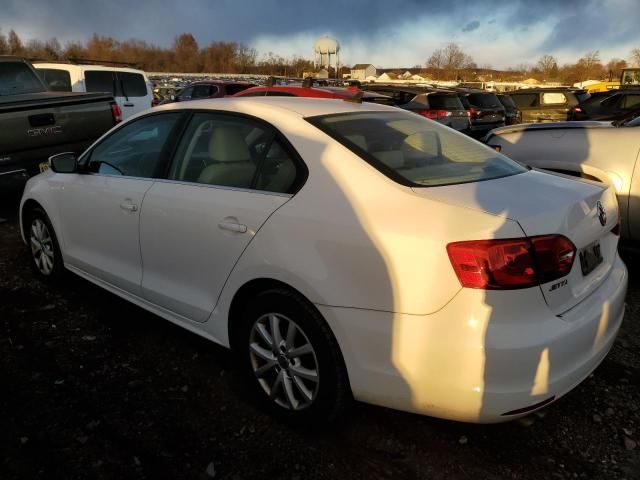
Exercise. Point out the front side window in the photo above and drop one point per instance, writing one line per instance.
(185, 93)
(415, 151)
(232, 151)
(135, 150)
(203, 91)
(631, 101)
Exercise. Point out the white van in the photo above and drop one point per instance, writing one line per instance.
(130, 88)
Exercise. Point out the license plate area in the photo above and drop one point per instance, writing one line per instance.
(590, 257)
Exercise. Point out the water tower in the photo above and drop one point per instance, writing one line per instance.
(324, 48)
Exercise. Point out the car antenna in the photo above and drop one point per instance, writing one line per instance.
(357, 98)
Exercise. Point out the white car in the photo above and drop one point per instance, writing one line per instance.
(606, 152)
(343, 249)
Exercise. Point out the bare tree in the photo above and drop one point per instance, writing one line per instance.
(15, 44)
(4, 47)
(589, 66)
(186, 53)
(548, 66)
(450, 59)
(614, 68)
(635, 57)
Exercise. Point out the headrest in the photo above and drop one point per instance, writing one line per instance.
(392, 159)
(227, 145)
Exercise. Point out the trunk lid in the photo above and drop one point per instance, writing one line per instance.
(583, 211)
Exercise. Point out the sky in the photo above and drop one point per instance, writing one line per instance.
(386, 33)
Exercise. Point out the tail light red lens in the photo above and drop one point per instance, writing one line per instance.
(511, 263)
(473, 113)
(434, 114)
(576, 109)
(116, 112)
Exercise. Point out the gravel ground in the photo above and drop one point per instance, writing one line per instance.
(93, 387)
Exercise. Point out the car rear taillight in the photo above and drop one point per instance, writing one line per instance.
(577, 109)
(473, 113)
(511, 263)
(116, 112)
(434, 114)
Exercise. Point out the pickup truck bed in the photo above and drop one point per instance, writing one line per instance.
(37, 125)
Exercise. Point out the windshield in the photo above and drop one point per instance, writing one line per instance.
(486, 100)
(16, 78)
(415, 151)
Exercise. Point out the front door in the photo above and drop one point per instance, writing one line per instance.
(100, 207)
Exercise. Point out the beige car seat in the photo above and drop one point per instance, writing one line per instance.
(233, 166)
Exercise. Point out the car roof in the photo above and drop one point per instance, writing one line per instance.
(220, 82)
(296, 106)
(409, 88)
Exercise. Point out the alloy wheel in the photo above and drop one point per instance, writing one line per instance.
(284, 361)
(42, 246)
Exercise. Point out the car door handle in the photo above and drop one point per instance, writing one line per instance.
(128, 105)
(233, 227)
(130, 207)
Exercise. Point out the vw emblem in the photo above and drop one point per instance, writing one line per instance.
(602, 215)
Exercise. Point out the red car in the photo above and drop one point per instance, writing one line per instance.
(316, 92)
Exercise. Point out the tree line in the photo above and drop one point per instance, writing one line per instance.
(450, 62)
(184, 55)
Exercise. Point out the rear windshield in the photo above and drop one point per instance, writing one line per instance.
(415, 151)
(16, 78)
(506, 100)
(57, 80)
(484, 100)
(120, 84)
(444, 101)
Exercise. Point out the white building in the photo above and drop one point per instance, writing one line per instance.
(361, 71)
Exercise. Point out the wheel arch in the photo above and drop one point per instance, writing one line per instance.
(28, 206)
(256, 286)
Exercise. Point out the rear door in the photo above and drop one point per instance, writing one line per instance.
(229, 174)
(130, 89)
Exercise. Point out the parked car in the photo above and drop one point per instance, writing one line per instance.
(550, 104)
(485, 110)
(443, 106)
(512, 114)
(603, 151)
(343, 249)
(339, 93)
(208, 89)
(130, 87)
(37, 122)
(615, 106)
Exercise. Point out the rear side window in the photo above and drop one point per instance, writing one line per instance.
(554, 98)
(119, 84)
(415, 151)
(279, 94)
(17, 78)
(524, 100)
(484, 100)
(230, 151)
(99, 81)
(203, 91)
(57, 80)
(131, 84)
(259, 93)
(445, 102)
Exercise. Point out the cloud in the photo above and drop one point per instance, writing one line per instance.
(471, 26)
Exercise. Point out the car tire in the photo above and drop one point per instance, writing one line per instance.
(291, 360)
(46, 258)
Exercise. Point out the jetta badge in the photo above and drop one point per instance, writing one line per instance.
(602, 215)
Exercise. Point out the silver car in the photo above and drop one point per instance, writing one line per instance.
(602, 151)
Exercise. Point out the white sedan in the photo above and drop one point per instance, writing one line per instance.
(343, 250)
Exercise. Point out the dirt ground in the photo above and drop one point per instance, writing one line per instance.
(94, 387)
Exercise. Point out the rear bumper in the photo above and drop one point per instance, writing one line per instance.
(481, 356)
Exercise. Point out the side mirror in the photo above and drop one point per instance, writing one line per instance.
(64, 162)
